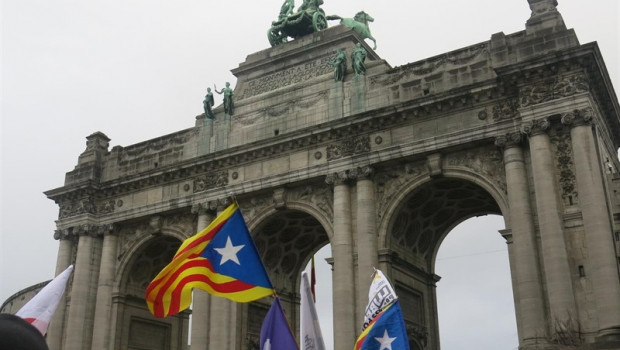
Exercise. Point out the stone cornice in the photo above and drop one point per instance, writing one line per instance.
(331, 134)
(585, 58)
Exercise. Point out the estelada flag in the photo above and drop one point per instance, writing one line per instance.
(40, 309)
(386, 331)
(221, 260)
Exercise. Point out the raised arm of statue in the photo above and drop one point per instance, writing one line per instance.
(228, 98)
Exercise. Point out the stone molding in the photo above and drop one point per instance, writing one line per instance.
(536, 127)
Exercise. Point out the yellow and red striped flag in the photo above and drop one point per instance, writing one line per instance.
(221, 260)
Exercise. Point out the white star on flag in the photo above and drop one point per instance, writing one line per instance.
(386, 341)
(229, 252)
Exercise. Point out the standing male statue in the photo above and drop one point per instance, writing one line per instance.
(340, 65)
(228, 98)
(208, 103)
(358, 57)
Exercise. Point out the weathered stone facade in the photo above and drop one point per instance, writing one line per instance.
(381, 167)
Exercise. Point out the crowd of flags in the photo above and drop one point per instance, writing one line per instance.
(222, 260)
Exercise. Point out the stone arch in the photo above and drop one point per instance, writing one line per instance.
(286, 238)
(417, 220)
(294, 205)
(135, 327)
(497, 193)
(139, 244)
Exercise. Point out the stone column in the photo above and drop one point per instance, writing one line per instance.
(367, 256)
(603, 268)
(107, 274)
(523, 252)
(201, 299)
(65, 250)
(83, 290)
(555, 257)
(222, 328)
(342, 251)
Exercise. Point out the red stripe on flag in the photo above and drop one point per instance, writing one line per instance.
(207, 237)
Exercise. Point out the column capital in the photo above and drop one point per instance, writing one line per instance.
(63, 234)
(578, 117)
(92, 230)
(203, 208)
(338, 178)
(507, 234)
(509, 140)
(536, 127)
(362, 173)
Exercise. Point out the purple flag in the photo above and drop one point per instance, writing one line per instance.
(275, 334)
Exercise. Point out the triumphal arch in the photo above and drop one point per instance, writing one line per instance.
(380, 162)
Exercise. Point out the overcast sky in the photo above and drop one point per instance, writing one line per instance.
(137, 69)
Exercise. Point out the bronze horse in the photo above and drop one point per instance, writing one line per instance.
(359, 24)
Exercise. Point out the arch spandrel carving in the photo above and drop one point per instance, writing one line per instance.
(133, 237)
(390, 182)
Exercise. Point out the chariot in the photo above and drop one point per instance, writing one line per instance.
(304, 22)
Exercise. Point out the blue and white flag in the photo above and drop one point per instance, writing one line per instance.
(275, 333)
(386, 331)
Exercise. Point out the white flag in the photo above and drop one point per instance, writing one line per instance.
(40, 309)
(311, 338)
(380, 295)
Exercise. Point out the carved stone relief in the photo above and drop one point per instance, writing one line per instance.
(132, 233)
(320, 197)
(207, 181)
(483, 161)
(348, 147)
(390, 182)
(553, 89)
(506, 109)
(560, 139)
(456, 58)
(286, 77)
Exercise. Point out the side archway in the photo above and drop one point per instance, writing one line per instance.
(135, 327)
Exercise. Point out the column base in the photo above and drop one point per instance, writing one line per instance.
(608, 339)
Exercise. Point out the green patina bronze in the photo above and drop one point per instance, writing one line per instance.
(308, 18)
(208, 104)
(359, 24)
(228, 98)
(358, 58)
(340, 65)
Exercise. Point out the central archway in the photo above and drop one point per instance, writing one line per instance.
(425, 214)
(286, 240)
